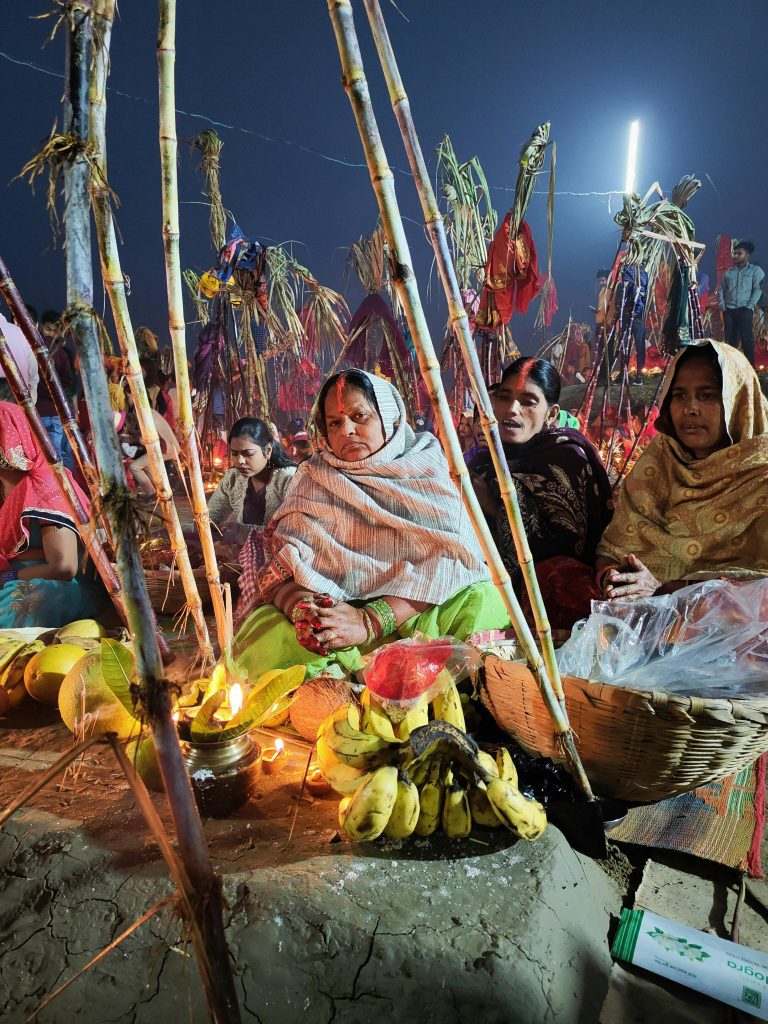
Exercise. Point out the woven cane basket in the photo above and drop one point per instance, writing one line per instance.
(639, 746)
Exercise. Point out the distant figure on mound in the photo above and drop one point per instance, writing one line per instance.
(740, 292)
(42, 580)
(371, 542)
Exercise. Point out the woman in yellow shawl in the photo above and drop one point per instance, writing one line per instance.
(695, 505)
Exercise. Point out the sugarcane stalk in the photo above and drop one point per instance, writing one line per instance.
(205, 894)
(112, 275)
(166, 55)
(47, 369)
(435, 226)
(85, 527)
(356, 87)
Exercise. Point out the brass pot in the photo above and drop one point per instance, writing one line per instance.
(222, 774)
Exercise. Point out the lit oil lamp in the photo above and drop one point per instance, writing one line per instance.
(222, 771)
(274, 758)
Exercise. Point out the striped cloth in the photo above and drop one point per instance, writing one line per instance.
(392, 524)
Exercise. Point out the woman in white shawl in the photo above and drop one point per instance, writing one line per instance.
(371, 542)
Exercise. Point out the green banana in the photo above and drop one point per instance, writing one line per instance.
(456, 818)
(370, 807)
(405, 813)
(341, 730)
(488, 763)
(526, 818)
(482, 812)
(431, 797)
(374, 720)
(506, 766)
(447, 707)
(341, 776)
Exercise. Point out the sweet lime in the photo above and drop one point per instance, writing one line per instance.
(45, 671)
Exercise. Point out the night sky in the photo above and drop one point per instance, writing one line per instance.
(486, 72)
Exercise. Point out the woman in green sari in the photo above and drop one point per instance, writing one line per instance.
(371, 543)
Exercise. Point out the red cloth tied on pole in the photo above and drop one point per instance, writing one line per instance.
(511, 277)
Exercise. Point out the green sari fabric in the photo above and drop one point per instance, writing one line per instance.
(267, 640)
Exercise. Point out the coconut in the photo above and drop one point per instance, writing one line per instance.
(315, 700)
(87, 704)
(45, 671)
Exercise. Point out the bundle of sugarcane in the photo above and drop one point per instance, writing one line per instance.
(114, 283)
(356, 86)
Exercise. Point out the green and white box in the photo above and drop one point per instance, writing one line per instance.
(736, 975)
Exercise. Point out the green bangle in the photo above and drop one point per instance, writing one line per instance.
(384, 614)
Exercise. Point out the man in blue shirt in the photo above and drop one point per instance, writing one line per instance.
(739, 295)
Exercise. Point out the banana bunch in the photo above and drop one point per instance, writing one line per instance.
(404, 775)
(14, 655)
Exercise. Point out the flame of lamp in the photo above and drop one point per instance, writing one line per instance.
(222, 773)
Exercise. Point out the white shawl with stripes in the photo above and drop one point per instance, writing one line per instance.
(392, 524)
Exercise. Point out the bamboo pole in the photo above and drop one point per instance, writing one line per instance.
(356, 87)
(153, 687)
(85, 527)
(166, 56)
(435, 226)
(111, 272)
(48, 372)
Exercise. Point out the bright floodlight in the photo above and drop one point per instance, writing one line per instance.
(634, 132)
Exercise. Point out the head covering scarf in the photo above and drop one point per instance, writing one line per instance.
(684, 516)
(392, 524)
(37, 495)
(564, 495)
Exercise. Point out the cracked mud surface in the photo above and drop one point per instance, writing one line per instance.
(319, 930)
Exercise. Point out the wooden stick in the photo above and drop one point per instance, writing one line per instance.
(85, 526)
(111, 272)
(166, 55)
(356, 87)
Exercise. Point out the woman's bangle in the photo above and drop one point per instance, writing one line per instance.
(384, 615)
(369, 627)
(602, 573)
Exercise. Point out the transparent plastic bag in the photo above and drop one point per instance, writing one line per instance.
(708, 640)
(401, 673)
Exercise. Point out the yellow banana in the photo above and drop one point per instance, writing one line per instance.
(374, 720)
(457, 818)
(482, 812)
(11, 650)
(370, 808)
(526, 818)
(506, 766)
(341, 776)
(447, 707)
(488, 763)
(13, 673)
(343, 810)
(431, 797)
(341, 730)
(417, 716)
(405, 813)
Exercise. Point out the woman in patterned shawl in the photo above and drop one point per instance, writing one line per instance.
(371, 542)
(695, 505)
(563, 489)
(42, 580)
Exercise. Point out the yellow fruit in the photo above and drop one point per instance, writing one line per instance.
(143, 756)
(45, 672)
(84, 693)
(83, 629)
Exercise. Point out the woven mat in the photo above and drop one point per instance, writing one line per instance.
(723, 821)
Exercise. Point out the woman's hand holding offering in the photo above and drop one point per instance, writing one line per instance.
(631, 579)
